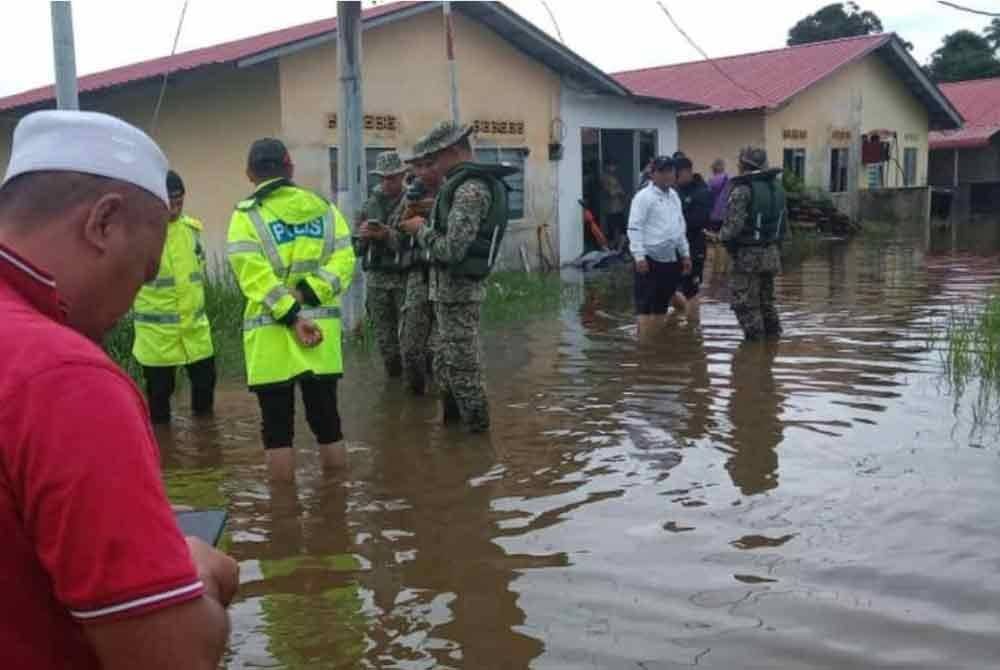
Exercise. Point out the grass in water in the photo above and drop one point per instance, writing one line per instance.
(509, 296)
(973, 344)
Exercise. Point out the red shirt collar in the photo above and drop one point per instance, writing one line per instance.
(33, 284)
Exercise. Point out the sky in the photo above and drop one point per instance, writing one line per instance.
(618, 35)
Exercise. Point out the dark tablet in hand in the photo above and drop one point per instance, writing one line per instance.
(206, 525)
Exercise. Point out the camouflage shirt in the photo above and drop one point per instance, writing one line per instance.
(760, 259)
(379, 207)
(471, 206)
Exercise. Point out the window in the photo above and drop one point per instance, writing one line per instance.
(515, 182)
(876, 175)
(838, 169)
(795, 162)
(910, 166)
(371, 154)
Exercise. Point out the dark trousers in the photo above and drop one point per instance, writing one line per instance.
(277, 408)
(161, 382)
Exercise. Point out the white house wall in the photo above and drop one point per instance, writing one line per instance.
(582, 110)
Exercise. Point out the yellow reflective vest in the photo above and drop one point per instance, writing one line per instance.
(279, 239)
(171, 327)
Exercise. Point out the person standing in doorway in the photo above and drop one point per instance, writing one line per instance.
(292, 255)
(171, 327)
(384, 273)
(752, 232)
(614, 200)
(696, 201)
(461, 240)
(658, 242)
(718, 185)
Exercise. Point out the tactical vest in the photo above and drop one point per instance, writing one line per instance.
(377, 255)
(766, 224)
(482, 253)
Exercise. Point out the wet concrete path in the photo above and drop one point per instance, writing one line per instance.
(827, 502)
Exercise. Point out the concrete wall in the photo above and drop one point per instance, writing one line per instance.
(581, 110)
(406, 75)
(704, 139)
(207, 123)
(895, 205)
(861, 97)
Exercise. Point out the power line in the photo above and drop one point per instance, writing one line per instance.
(707, 57)
(967, 9)
(554, 22)
(166, 72)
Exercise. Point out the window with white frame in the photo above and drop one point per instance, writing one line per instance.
(515, 182)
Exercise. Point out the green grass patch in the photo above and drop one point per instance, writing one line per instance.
(972, 339)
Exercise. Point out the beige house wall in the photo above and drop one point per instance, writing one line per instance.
(704, 139)
(406, 76)
(207, 122)
(861, 97)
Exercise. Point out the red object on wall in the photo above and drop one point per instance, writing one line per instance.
(871, 149)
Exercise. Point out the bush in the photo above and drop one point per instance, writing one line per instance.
(792, 183)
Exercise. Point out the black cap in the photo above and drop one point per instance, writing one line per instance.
(268, 154)
(661, 163)
(683, 163)
(175, 185)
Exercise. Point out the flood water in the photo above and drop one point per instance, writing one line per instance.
(826, 502)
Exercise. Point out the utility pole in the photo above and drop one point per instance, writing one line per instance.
(449, 45)
(351, 177)
(65, 56)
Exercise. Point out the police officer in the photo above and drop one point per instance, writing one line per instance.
(752, 232)
(461, 238)
(292, 255)
(171, 327)
(384, 272)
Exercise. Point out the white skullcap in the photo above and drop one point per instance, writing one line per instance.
(91, 143)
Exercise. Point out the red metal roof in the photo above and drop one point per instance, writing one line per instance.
(762, 80)
(979, 103)
(227, 52)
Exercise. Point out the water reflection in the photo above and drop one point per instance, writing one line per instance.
(686, 501)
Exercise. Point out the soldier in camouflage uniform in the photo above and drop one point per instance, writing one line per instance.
(386, 282)
(752, 232)
(415, 333)
(467, 211)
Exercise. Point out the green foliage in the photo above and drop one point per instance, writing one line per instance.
(964, 55)
(973, 344)
(792, 183)
(834, 21)
(517, 295)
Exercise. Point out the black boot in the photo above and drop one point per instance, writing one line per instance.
(451, 411)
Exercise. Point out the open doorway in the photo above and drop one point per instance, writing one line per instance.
(612, 163)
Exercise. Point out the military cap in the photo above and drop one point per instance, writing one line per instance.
(754, 158)
(442, 136)
(388, 164)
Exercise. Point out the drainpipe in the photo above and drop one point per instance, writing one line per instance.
(449, 47)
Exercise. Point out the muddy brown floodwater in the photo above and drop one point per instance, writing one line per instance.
(827, 502)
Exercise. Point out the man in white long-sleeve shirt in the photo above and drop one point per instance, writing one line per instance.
(658, 242)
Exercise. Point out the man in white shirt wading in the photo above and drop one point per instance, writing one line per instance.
(658, 241)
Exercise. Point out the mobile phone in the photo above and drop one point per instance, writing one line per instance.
(206, 525)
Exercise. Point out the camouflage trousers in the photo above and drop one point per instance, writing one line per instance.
(753, 302)
(385, 306)
(458, 363)
(415, 334)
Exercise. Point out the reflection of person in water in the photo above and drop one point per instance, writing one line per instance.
(697, 392)
(755, 413)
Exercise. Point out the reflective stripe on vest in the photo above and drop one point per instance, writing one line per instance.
(330, 278)
(166, 282)
(163, 319)
(267, 242)
(312, 313)
(242, 248)
(274, 295)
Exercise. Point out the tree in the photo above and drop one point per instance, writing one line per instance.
(964, 55)
(834, 21)
(992, 33)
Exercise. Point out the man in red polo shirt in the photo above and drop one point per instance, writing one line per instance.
(94, 572)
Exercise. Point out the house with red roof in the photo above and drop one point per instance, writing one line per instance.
(813, 107)
(533, 101)
(967, 160)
